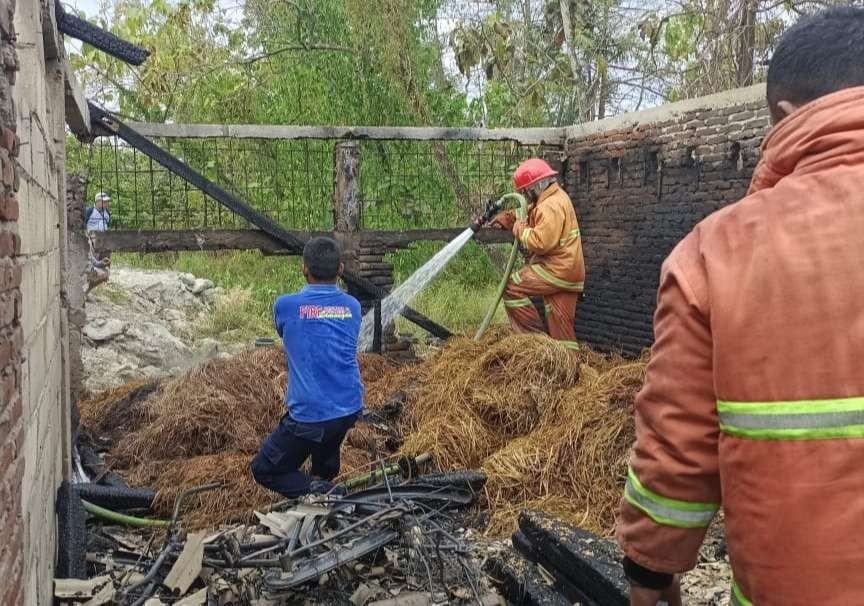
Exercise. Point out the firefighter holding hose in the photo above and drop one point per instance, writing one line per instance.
(556, 269)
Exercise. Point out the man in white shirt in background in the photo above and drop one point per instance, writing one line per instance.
(97, 218)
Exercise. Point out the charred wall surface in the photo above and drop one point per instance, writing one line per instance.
(640, 182)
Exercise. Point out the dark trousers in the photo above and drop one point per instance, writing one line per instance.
(283, 452)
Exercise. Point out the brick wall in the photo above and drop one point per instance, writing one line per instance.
(11, 335)
(39, 439)
(640, 182)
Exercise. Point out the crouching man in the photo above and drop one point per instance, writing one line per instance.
(319, 327)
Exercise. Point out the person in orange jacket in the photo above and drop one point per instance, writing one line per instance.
(754, 396)
(556, 268)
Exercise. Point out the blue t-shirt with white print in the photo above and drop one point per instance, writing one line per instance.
(319, 327)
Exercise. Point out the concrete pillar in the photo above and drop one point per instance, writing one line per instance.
(75, 278)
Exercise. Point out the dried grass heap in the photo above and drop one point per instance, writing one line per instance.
(551, 428)
(204, 425)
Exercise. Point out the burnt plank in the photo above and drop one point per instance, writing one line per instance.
(521, 583)
(583, 559)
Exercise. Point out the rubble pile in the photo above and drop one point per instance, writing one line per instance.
(139, 326)
(549, 429)
(393, 545)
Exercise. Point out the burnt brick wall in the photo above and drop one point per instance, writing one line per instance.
(12, 426)
(640, 182)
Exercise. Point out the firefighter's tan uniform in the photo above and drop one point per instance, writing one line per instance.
(556, 268)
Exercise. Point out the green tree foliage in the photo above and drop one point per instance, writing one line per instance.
(394, 62)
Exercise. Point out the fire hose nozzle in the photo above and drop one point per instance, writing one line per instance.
(493, 207)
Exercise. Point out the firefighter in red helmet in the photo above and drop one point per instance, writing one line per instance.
(555, 270)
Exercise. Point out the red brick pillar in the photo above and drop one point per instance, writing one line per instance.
(11, 336)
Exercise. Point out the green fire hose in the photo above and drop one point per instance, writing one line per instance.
(521, 214)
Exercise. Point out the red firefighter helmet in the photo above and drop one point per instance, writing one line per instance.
(531, 171)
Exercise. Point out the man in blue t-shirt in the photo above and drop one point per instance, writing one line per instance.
(319, 327)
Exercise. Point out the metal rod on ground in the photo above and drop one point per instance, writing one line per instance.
(389, 470)
(151, 574)
(188, 493)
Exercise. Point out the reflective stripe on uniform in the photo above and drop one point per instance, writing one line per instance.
(517, 302)
(570, 344)
(738, 598)
(516, 278)
(793, 420)
(524, 237)
(573, 234)
(546, 276)
(666, 511)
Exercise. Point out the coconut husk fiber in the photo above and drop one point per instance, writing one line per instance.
(206, 425)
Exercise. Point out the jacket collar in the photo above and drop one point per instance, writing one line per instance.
(548, 193)
(824, 133)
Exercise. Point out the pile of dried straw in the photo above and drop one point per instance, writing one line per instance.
(202, 426)
(552, 429)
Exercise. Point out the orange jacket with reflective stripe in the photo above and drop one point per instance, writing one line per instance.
(754, 396)
(551, 235)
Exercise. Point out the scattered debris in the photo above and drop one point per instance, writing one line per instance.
(395, 544)
(547, 434)
(79, 588)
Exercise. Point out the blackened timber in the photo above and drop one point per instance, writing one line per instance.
(100, 117)
(521, 582)
(78, 28)
(151, 241)
(403, 239)
(524, 136)
(379, 329)
(147, 241)
(577, 558)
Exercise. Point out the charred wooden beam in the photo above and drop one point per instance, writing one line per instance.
(75, 26)
(524, 547)
(525, 136)
(151, 241)
(577, 558)
(521, 582)
(103, 119)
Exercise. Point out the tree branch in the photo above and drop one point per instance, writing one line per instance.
(326, 48)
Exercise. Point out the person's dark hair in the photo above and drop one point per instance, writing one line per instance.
(819, 55)
(322, 256)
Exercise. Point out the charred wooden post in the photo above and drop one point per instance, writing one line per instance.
(347, 208)
(379, 329)
(366, 261)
